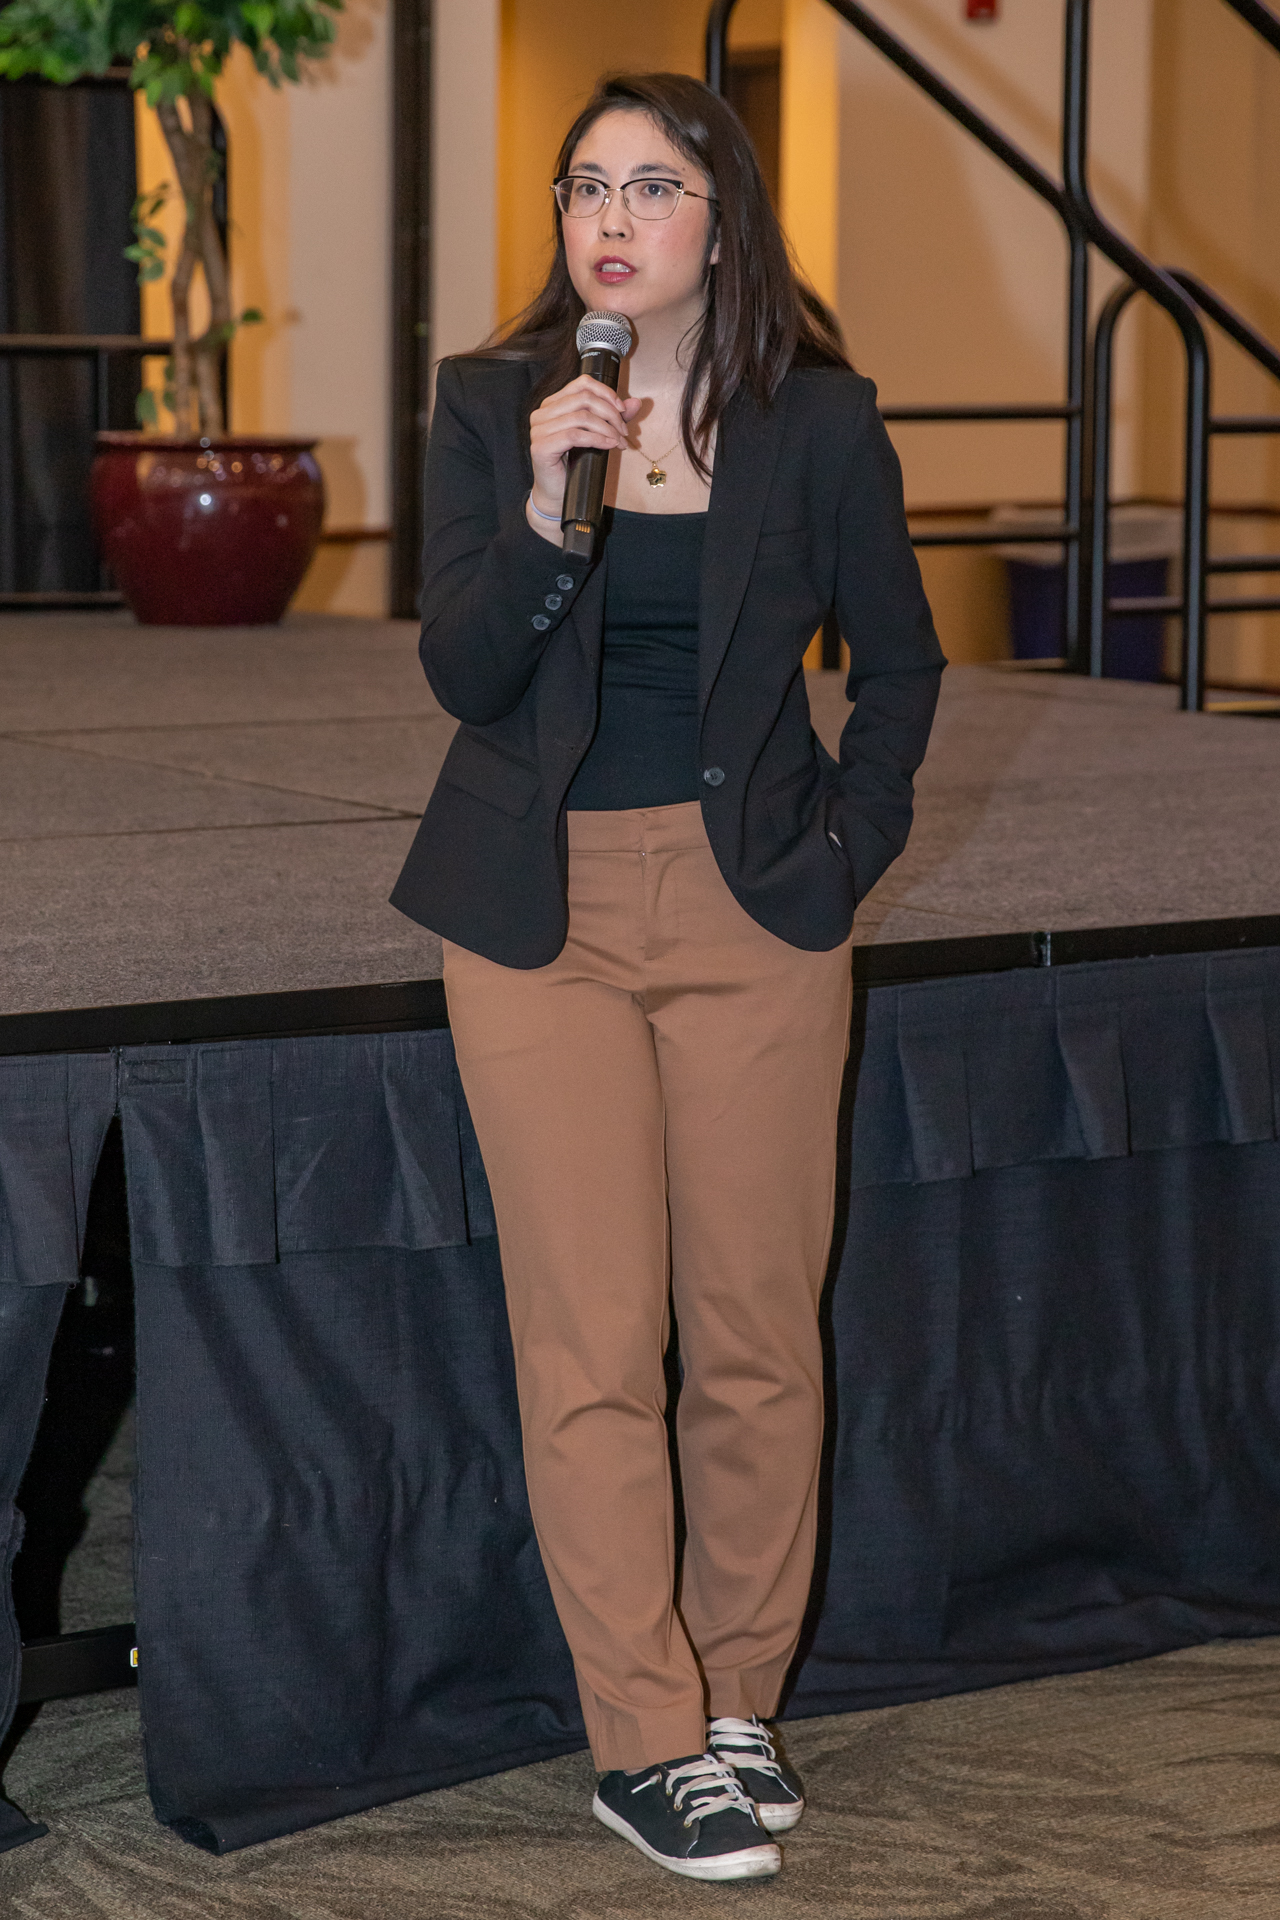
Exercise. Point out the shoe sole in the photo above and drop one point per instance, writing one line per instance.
(752, 1863)
(780, 1819)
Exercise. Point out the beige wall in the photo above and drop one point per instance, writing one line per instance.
(809, 173)
(952, 274)
(310, 200)
(464, 163)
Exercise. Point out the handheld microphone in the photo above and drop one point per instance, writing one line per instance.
(603, 339)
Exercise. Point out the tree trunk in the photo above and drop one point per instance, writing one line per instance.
(212, 344)
(197, 364)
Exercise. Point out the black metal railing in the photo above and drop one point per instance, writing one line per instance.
(1192, 604)
(1084, 529)
(1260, 18)
(99, 349)
(1159, 286)
(1066, 528)
(1176, 604)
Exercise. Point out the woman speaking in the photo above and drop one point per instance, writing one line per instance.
(644, 867)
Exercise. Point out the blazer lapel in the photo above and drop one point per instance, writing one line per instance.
(747, 449)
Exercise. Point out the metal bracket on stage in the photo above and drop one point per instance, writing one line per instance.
(75, 1663)
(398, 1006)
(901, 963)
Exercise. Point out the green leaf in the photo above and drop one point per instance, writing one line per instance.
(251, 317)
(144, 409)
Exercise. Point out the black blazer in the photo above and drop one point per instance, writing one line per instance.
(805, 514)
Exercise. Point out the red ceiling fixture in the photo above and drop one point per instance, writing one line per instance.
(982, 9)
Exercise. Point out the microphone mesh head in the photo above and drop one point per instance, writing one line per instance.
(610, 331)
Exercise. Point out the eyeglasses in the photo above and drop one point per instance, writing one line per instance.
(579, 196)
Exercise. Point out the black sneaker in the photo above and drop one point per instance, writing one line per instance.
(766, 1776)
(691, 1816)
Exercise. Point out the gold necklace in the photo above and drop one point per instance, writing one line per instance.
(656, 475)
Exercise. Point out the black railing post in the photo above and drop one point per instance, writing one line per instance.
(1195, 534)
(1076, 611)
(1233, 324)
(411, 316)
(1100, 515)
(1166, 293)
(717, 47)
(102, 412)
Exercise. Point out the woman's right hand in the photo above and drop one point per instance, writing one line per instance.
(586, 413)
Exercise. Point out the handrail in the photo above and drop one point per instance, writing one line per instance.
(99, 349)
(1168, 294)
(1254, 343)
(900, 54)
(1262, 351)
(1012, 156)
(1180, 295)
(1193, 604)
(1260, 18)
(717, 43)
(41, 345)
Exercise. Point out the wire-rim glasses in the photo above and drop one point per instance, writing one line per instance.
(579, 196)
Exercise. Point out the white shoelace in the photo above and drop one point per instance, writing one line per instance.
(709, 1786)
(745, 1743)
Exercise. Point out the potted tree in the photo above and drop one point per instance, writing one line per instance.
(201, 527)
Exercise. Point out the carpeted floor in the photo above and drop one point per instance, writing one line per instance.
(1148, 1792)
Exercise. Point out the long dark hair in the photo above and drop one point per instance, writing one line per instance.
(760, 318)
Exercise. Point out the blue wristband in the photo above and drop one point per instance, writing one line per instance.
(553, 517)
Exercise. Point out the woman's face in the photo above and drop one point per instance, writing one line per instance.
(635, 266)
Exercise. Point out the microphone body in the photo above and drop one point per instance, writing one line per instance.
(603, 339)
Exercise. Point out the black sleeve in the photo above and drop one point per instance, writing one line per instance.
(895, 660)
(493, 591)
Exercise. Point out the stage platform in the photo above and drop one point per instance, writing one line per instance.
(1052, 1443)
(194, 814)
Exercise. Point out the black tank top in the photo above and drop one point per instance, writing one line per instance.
(645, 749)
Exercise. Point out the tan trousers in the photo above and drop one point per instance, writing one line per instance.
(657, 1114)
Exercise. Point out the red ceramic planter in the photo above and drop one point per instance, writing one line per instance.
(215, 532)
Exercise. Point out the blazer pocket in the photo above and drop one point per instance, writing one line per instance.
(790, 801)
(488, 773)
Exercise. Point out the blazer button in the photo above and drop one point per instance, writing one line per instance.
(540, 621)
(565, 582)
(553, 601)
(714, 776)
